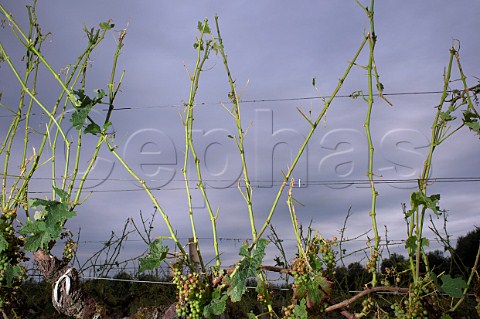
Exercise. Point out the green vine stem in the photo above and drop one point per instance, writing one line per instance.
(29, 43)
(294, 219)
(34, 32)
(374, 254)
(463, 78)
(78, 73)
(239, 139)
(314, 125)
(113, 90)
(154, 200)
(202, 47)
(417, 218)
(28, 91)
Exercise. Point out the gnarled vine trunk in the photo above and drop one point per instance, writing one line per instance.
(67, 295)
(70, 299)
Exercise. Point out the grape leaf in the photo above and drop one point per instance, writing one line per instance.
(446, 116)
(453, 286)
(92, 128)
(418, 198)
(155, 256)
(204, 27)
(412, 243)
(300, 310)
(106, 25)
(39, 233)
(62, 194)
(12, 272)
(472, 121)
(246, 268)
(217, 304)
(315, 290)
(83, 107)
(79, 117)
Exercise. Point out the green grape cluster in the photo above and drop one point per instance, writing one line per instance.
(413, 305)
(391, 276)
(288, 312)
(300, 272)
(368, 305)
(70, 249)
(191, 294)
(372, 261)
(328, 254)
(324, 247)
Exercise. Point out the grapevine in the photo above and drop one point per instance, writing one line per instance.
(11, 257)
(311, 274)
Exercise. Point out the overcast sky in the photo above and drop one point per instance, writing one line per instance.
(274, 49)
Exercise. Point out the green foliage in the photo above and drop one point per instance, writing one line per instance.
(156, 255)
(106, 25)
(11, 273)
(418, 198)
(412, 243)
(300, 311)
(204, 27)
(472, 121)
(83, 106)
(447, 115)
(217, 305)
(453, 286)
(315, 290)
(48, 225)
(3, 243)
(246, 268)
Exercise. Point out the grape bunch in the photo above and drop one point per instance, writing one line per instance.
(191, 294)
(300, 273)
(372, 261)
(70, 249)
(391, 276)
(413, 305)
(368, 305)
(288, 312)
(328, 254)
(324, 247)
